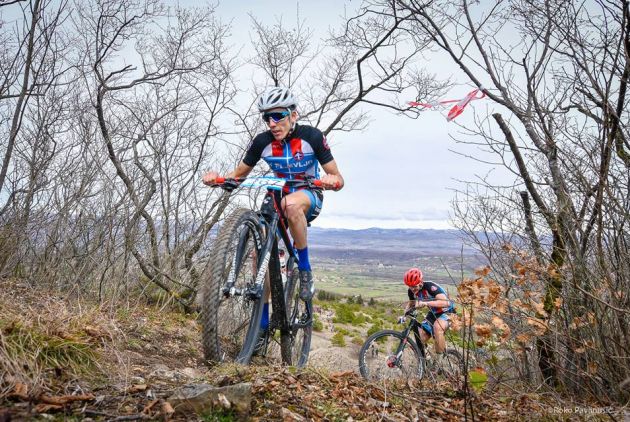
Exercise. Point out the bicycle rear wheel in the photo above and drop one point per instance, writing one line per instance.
(295, 344)
(229, 316)
(378, 358)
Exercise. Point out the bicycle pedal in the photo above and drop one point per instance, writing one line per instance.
(253, 293)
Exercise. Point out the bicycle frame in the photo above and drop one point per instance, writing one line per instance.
(273, 221)
(250, 242)
(270, 213)
(412, 327)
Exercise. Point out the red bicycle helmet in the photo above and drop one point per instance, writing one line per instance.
(413, 277)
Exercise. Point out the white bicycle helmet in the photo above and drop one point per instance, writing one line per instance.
(276, 97)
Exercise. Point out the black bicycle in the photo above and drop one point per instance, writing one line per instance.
(389, 354)
(243, 270)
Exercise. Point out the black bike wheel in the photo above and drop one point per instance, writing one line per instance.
(378, 360)
(295, 344)
(231, 320)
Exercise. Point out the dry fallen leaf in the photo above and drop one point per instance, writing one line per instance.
(148, 407)
(20, 391)
(167, 408)
(44, 408)
(61, 400)
(136, 388)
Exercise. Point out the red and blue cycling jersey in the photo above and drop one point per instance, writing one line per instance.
(429, 291)
(296, 157)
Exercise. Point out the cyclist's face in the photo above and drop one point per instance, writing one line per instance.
(417, 288)
(281, 128)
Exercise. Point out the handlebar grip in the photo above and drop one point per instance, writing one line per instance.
(318, 183)
(219, 180)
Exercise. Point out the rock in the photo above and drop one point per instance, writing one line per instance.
(191, 373)
(200, 398)
(223, 401)
(288, 416)
(161, 371)
(137, 380)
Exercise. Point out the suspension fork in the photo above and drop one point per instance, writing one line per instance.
(269, 250)
(237, 261)
(401, 346)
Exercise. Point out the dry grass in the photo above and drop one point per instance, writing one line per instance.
(47, 340)
(43, 338)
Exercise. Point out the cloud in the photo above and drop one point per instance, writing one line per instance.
(411, 216)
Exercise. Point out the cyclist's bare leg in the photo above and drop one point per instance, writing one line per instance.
(424, 337)
(439, 328)
(295, 206)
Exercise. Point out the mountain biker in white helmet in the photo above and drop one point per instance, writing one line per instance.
(292, 151)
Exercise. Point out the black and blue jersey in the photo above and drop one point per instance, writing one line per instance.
(429, 291)
(293, 158)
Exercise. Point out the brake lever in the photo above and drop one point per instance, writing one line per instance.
(227, 184)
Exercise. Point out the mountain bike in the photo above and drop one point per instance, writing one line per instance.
(243, 271)
(390, 354)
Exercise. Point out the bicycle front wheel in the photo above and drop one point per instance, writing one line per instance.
(230, 314)
(387, 355)
(295, 344)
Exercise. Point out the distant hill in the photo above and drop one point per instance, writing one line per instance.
(371, 262)
(417, 242)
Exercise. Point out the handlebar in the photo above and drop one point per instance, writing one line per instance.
(230, 184)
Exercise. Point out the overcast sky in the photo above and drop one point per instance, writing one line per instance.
(400, 173)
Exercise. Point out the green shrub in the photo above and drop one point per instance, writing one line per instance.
(342, 331)
(377, 326)
(328, 296)
(357, 340)
(343, 315)
(348, 314)
(318, 325)
(338, 340)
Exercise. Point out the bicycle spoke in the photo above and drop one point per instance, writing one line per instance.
(383, 358)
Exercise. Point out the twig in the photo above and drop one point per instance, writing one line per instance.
(114, 417)
(444, 409)
(321, 375)
(433, 393)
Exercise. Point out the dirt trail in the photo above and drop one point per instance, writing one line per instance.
(325, 355)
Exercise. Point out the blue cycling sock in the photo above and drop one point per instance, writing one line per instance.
(303, 263)
(264, 321)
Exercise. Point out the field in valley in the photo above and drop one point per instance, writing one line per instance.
(371, 262)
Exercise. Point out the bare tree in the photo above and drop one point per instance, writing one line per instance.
(157, 114)
(368, 61)
(563, 83)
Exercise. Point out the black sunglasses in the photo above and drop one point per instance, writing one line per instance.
(276, 116)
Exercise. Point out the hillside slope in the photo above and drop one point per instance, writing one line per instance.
(68, 358)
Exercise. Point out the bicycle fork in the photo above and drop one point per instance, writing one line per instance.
(254, 291)
(394, 360)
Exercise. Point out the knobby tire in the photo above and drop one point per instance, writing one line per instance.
(230, 325)
(295, 344)
(380, 346)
